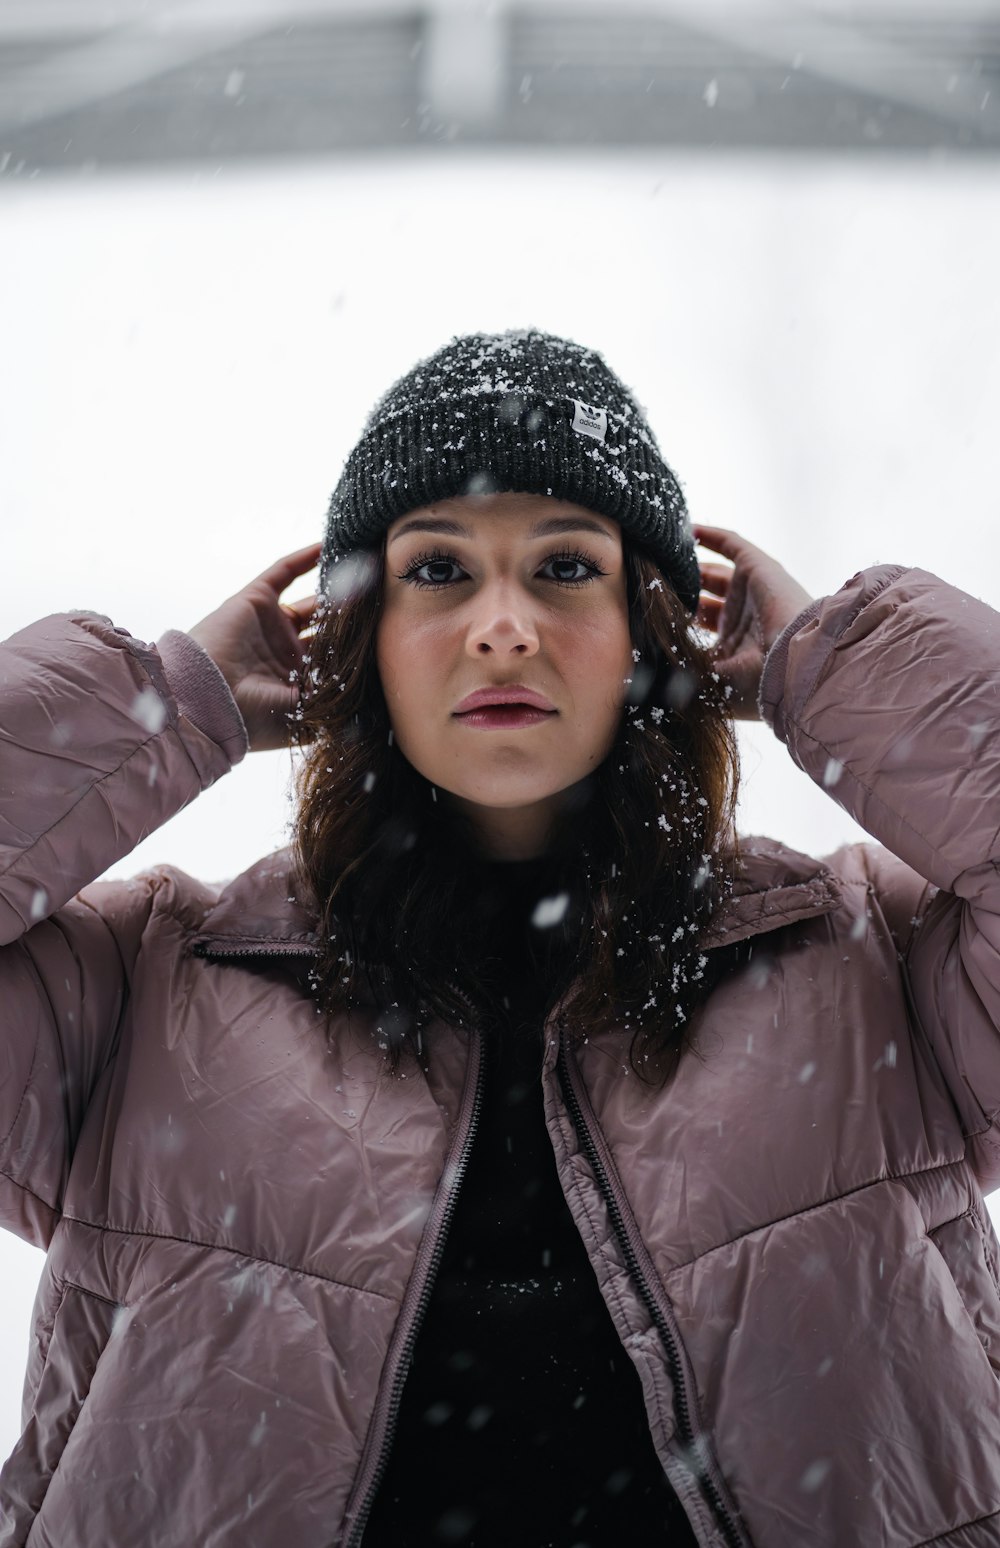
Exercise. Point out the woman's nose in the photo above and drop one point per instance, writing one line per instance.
(502, 626)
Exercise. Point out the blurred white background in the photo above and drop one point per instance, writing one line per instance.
(188, 354)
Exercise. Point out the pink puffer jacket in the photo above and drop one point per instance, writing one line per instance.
(242, 1226)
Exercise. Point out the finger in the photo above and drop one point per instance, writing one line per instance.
(300, 613)
(716, 577)
(709, 613)
(737, 612)
(284, 571)
(723, 540)
(286, 631)
(717, 590)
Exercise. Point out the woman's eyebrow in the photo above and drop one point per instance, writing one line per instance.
(558, 524)
(552, 527)
(446, 528)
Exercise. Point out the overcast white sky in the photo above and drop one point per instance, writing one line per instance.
(188, 358)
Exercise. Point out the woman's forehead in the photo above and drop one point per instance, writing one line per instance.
(524, 516)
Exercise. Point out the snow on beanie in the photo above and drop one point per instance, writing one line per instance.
(520, 411)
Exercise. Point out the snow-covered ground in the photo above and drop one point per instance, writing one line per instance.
(188, 358)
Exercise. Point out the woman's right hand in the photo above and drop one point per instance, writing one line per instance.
(746, 603)
(255, 640)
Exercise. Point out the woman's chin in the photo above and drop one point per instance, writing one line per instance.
(503, 799)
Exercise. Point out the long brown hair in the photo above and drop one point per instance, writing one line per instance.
(642, 855)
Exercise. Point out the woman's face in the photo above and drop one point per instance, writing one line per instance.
(511, 597)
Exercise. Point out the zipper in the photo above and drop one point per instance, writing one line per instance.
(218, 951)
(688, 1431)
(416, 1298)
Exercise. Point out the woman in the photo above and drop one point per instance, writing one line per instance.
(520, 1158)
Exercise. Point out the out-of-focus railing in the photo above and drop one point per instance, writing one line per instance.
(86, 85)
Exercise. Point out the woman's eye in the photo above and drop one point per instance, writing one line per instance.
(569, 570)
(432, 572)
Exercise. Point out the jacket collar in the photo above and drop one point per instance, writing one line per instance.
(773, 886)
(262, 914)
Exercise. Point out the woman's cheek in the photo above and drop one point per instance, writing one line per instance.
(392, 655)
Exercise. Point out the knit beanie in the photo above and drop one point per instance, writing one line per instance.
(520, 411)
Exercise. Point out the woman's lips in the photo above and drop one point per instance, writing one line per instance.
(503, 693)
(504, 707)
(504, 717)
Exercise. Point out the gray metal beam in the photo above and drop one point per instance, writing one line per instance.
(859, 58)
(327, 74)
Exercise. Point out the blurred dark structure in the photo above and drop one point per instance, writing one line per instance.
(91, 84)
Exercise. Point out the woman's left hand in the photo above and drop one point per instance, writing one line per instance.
(746, 603)
(256, 641)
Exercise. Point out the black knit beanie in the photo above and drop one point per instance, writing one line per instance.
(522, 411)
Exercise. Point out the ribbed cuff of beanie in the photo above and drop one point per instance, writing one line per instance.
(202, 692)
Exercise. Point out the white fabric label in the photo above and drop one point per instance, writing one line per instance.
(588, 420)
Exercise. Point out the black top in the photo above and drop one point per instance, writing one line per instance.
(522, 1423)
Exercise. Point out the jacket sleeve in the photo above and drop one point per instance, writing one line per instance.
(887, 694)
(102, 739)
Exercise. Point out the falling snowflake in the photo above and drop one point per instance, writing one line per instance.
(550, 911)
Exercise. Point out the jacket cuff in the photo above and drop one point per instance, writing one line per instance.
(772, 678)
(771, 694)
(202, 693)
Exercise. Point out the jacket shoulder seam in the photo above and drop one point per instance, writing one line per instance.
(236, 1252)
(65, 816)
(960, 1526)
(32, 1194)
(808, 1209)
